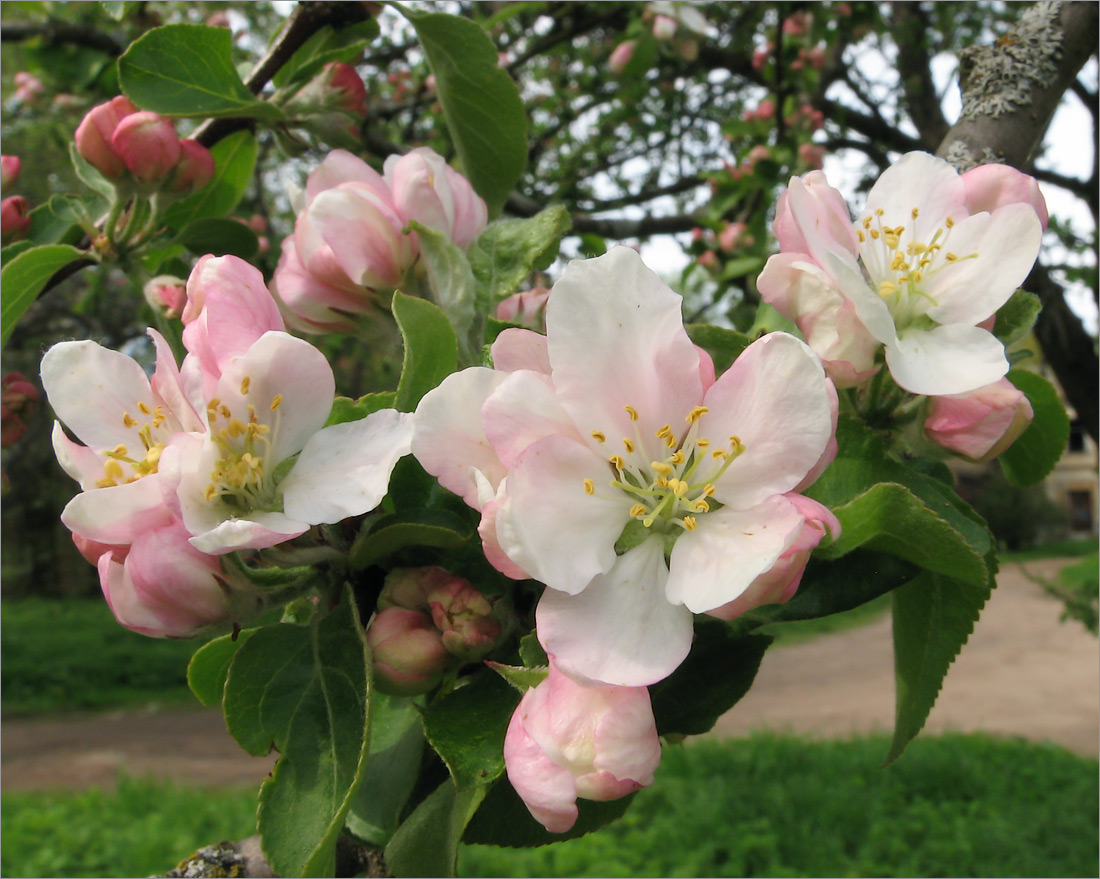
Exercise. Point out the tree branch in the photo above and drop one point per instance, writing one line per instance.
(55, 33)
(911, 27)
(245, 858)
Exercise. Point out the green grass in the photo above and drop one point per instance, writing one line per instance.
(1057, 550)
(764, 806)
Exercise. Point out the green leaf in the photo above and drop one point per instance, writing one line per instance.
(119, 10)
(304, 690)
(90, 176)
(24, 277)
(346, 409)
(234, 162)
(396, 749)
(328, 44)
(56, 221)
(438, 528)
(933, 618)
(431, 349)
(219, 237)
(1035, 452)
(209, 666)
(890, 518)
(503, 820)
(466, 727)
(719, 670)
(741, 266)
(269, 576)
(520, 678)
(1016, 317)
(11, 251)
(724, 346)
(450, 280)
(187, 70)
(426, 844)
(508, 251)
(481, 104)
(531, 652)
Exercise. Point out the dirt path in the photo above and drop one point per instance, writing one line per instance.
(1023, 673)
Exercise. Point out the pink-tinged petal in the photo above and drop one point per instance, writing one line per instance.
(116, 515)
(364, 233)
(776, 399)
(621, 629)
(490, 545)
(716, 562)
(706, 368)
(1006, 243)
(951, 359)
(992, 186)
(258, 531)
(547, 789)
(981, 424)
(90, 388)
(420, 188)
(167, 384)
(344, 470)
(547, 522)
(870, 309)
(314, 303)
(616, 338)
(516, 349)
(340, 166)
(831, 447)
(449, 440)
(918, 180)
(812, 217)
(521, 410)
(80, 462)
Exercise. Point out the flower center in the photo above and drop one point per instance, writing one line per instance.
(669, 494)
(899, 268)
(244, 475)
(153, 428)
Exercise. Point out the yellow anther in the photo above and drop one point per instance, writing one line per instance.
(599, 436)
(677, 458)
(662, 482)
(632, 412)
(638, 510)
(874, 234)
(887, 288)
(719, 453)
(120, 451)
(628, 444)
(950, 257)
(879, 212)
(735, 440)
(898, 264)
(236, 428)
(276, 402)
(678, 486)
(664, 431)
(152, 457)
(246, 382)
(689, 523)
(589, 487)
(708, 490)
(145, 410)
(210, 492)
(916, 247)
(112, 469)
(696, 413)
(702, 442)
(862, 237)
(127, 420)
(661, 467)
(915, 212)
(670, 441)
(949, 223)
(105, 483)
(917, 276)
(701, 506)
(617, 462)
(224, 410)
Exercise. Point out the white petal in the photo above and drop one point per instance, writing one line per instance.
(344, 470)
(946, 360)
(258, 531)
(616, 338)
(517, 348)
(522, 409)
(117, 515)
(918, 180)
(871, 310)
(80, 462)
(550, 526)
(776, 400)
(622, 629)
(716, 562)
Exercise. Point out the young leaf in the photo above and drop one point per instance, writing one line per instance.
(450, 280)
(426, 844)
(508, 251)
(187, 70)
(719, 670)
(345, 409)
(1016, 317)
(481, 103)
(56, 221)
(305, 691)
(933, 618)
(1035, 452)
(467, 727)
(431, 349)
(234, 162)
(724, 346)
(219, 237)
(209, 666)
(23, 278)
(438, 528)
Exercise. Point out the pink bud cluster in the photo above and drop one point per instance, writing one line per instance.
(17, 399)
(28, 87)
(15, 218)
(526, 308)
(349, 240)
(429, 621)
(128, 145)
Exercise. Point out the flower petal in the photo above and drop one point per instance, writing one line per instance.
(716, 562)
(117, 515)
(257, 532)
(950, 359)
(516, 348)
(521, 410)
(344, 470)
(547, 789)
(622, 629)
(922, 181)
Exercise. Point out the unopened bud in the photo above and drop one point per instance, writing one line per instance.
(93, 136)
(166, 294)
(14, 218)
(409, 656)
(17, 398)
(9, 170)
(464, 616)
(621, 57)
(664, 28)
(194, 169)
(148, 145)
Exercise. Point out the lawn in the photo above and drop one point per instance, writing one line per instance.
(764, 806)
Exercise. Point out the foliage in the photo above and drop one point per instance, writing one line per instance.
(1018, 517)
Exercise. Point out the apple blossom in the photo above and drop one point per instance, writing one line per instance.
(194, 169)
(14, 218)
(979, 424)
(664, 28)
(988, 187)
(528, 308)
(93, 136)
(28, 87)
(9, 170)
(921, 275)
(682, 12)
(621, 56)
(147, 144)
(566, 741)
(631, 535)
(428, 190)
(409, 656)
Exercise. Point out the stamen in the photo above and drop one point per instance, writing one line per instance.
(916, 213)
(276, 402)
(949, 223)
(598, 436)
(632, 412)
(628, 444)
(638, 510)
(696, 413)
(127, 420)
(245, 384)
(661, 467)
(689, 523)
(589, 487)
(145, 410)
(617, 462)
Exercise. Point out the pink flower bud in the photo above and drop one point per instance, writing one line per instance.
(708, 259)
(166, 294)
(796, 24)
(731, 235)
(14, 218)
(779, 584)
(93, 136)
(148, 145)
(759, 153)
(981, 424)
(218, 19)
(28, 87)
(989, 187)
(410, 587)
(65, 102)
(428, 190)
(664, 28)
(621, 57)
(567, 741)
(765, 110)
(409, 656)
(193, 171)
(17, 398)
(349, 93)
(816, 57)
(527, 308)
(760, 58)
(811, 155)
(464, 616)
(9, 170)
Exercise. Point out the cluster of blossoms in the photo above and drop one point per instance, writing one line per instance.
(667, 20)
(349, 243)
(14, 209)
(227, 452)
